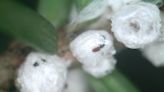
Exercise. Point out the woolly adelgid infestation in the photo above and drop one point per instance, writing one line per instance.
(134, 23)
(42, 73)
(94, 49)
(137, 25)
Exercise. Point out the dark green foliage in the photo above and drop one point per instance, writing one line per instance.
(27, 26)
(114, 82)
(55, 11)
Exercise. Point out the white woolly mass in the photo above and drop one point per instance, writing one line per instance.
(155, 53)
(102, 68)
(42, 73)
(76, 81)
(93, 48)
(137, 24)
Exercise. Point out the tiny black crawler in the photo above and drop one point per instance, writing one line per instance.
(43, 60)
(36, 64)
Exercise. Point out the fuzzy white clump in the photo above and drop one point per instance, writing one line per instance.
(137, 24)
(42, 73)
(155, 53)
(93, 49)
(76, 81)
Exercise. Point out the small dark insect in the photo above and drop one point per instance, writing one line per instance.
(66, 86)
(102, 45)
(103, 37)
(98, 48)
(43, 60)
(36, 64)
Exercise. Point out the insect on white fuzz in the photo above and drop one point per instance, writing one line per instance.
(42, 73)
(137, 24)
(93, 49)
(154, 53)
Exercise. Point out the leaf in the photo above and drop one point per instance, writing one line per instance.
(98, 86)
(27, 26)
(115, 82)
(4, 42)
(119, 83)
(56, 11)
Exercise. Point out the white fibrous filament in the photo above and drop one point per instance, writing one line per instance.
(91, 12)
(161, 37)
(155, 53)
(116, 5)
(76, 81)
(42, 73)
(137, 25)
(95, 50)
